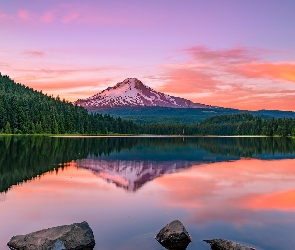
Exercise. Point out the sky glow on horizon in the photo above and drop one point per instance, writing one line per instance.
(237, 54)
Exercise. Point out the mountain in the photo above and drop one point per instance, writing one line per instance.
(133, 93)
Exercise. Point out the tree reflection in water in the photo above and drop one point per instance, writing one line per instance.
(27, 157)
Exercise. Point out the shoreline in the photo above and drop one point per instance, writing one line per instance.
(145, 136)
(159, 136)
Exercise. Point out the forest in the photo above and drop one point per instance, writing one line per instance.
(24, 110)
(231, 125)
(27, 111)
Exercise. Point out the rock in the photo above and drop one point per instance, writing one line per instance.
(75, 236)
(174, 236)
(220, 244)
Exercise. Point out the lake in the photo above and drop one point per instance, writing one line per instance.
(127, 189)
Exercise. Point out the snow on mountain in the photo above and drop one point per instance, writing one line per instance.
(131, 175)
(132, 92)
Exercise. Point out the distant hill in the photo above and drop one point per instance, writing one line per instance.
(148, 115)
(273, 113)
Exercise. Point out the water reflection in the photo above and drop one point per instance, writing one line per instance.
(251, 185)
(2, 197)
(249, 200)
(218, 187)
(131, 175)
(24, 158)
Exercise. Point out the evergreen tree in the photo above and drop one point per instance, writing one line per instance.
(7, 128)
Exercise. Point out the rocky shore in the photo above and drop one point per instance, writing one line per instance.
(79, 236)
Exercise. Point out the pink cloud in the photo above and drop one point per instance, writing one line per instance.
(5, 65)
(233, 55)
(70, 17)
(57, 83)
(48, 16)
(186, 80)
(281, 71)
(34, 53)
(60, 84)
(233, 77)
(23, 14)
(248, 99)
(68, 13)
(62, 71)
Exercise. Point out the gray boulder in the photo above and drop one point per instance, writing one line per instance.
(75, 236)
(220, 244)
(174, 236)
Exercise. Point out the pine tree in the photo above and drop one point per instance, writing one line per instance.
(7, 128)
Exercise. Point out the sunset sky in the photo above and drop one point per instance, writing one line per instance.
(230, 53)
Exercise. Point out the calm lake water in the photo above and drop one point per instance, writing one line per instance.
(127, 189)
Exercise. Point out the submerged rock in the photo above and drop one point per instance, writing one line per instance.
(174, 236)
(220, 244)
(75, 236)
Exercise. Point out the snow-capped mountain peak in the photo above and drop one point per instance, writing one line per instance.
(132, 92)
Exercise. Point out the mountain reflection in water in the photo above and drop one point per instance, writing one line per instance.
(25, 158)
(131, 175)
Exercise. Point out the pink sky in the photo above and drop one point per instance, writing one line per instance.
(238, 54)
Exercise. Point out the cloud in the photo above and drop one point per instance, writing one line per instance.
(235, 77)
(19, 15)
(48, 16)
(233, 55)
(24, 15)
(68, 81)
(4, 65)
(280, 71)
(62, 70)
(80, 13)
(186, 80)
(68, 85)
(55, 83)
(70, 17)
(70, 13)
(245, 98)
(73, 90)
(34, 53)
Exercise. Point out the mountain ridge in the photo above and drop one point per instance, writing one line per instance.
(133, 93)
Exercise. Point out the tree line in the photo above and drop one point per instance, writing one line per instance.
(235, 124)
